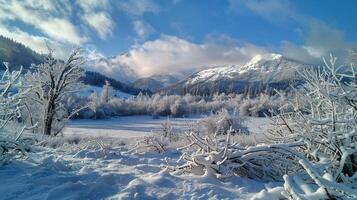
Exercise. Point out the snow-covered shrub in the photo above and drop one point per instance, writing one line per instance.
(222, 122)
(55, 142)
(327, 125)
(221, 156)
(152, 143)
(11, 94)
(160, 141)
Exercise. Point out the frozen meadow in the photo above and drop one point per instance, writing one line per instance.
(101, 167)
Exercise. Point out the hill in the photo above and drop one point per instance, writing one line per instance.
(17, 54)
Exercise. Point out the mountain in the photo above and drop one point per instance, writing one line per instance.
(154, 83)
(261, 73)
(17, 54)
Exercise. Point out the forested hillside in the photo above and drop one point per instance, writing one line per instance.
(17, 54)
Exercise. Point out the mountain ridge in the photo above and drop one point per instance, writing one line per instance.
(262, 72)
(155, 82)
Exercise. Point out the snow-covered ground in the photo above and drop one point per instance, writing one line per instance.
(110, 172)
(125, 127)
(137, 126)
(113, 174)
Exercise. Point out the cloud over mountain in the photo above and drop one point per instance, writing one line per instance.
(173, 55)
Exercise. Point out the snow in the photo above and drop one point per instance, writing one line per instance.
(260, 68)
(113, 172)
(124, 127)
(116, 174)
(137, 126)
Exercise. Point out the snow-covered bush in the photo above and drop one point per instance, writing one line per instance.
(11, 145)
(55, 142)
(160, 141)
(152, 143)
(221, 156)
(222, 121)
(168, 132)
(327, 125)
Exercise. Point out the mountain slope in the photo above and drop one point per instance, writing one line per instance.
(17, 54)
(98, 79)
(155, 82)
(262, 72)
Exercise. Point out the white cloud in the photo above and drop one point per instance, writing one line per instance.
(142, 28)
(42, 16)
(93, 5)
(96, 15)
(320, 39)
(101, 22)
(138, 7)
(172, 55)
(110, 67)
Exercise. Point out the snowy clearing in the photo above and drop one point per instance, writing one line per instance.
(100, 171)
(113, 174)
(137, 126)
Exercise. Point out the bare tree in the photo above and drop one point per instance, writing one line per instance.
(52, 83)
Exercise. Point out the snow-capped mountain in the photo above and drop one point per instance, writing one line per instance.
(261, 72)
(154, 82)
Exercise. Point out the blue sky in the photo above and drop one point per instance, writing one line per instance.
(169, 36)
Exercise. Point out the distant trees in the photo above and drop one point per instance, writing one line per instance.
(17, 54)
(97, 79)
(180, 106)
(51, 84)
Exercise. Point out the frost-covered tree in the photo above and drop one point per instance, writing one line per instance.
(11, 146)
(106, 92)
(52, 83)
(327, 125)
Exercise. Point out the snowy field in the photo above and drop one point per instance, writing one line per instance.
(111, 172)
(137, 126)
